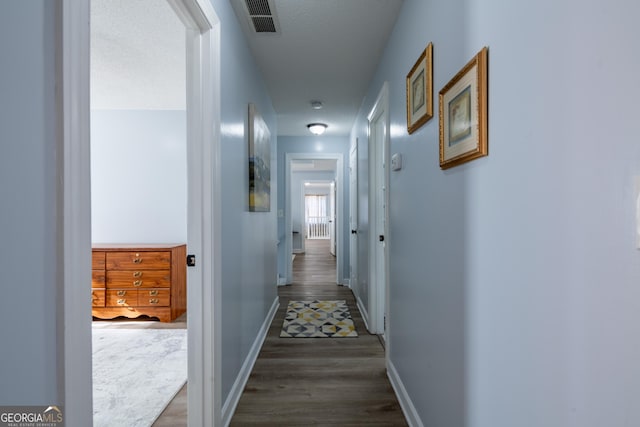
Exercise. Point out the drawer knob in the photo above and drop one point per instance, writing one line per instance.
(122, 301)
(153, 293)
(121, 293)
(137, 283)
(137, 260)
(137, 274)
(153, 301)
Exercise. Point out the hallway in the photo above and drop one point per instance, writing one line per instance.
(317, 381)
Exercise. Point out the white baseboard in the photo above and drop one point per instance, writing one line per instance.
(282, 281)
(346, 282)
(231, 403)
(410, 413)
(363, 312)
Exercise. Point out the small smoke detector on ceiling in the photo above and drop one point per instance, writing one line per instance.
(262, 16)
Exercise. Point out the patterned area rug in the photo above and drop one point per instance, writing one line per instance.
(136, 373)
(318, 319)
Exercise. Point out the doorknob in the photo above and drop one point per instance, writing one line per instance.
(381, 238)
(354, 231)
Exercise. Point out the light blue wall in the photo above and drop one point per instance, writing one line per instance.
(29, 216)
(28, 212)
(249, 239)
(138, 176)
(516, 275)
(320, 145)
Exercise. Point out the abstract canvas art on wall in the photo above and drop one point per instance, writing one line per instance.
(259, 163)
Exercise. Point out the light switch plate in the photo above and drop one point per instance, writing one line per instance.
(396, 162)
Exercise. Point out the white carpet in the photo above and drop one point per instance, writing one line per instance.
(136, 373)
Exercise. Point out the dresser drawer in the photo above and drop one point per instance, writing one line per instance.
(115, 298)
(138, 260)
(154, 297)
(139, 279)
(97, 260)
(98, 279)
(97, 297)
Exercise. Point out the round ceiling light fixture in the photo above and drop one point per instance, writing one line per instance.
(316, 105)
(317, 128)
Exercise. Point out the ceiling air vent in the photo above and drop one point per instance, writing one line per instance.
(262, 15)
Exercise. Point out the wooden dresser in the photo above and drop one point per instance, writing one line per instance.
(134, 280)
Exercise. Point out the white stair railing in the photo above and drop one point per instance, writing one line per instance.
(318, 227)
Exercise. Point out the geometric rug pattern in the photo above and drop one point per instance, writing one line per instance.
(318, 319)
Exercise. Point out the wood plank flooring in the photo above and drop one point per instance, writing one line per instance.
(318, 381)
(312, 381)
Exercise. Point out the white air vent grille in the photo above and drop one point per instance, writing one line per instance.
(262, 15)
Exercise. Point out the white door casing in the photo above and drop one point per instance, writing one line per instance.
(288, 238)
(378, 199)
(204, 214)
(203, 123)
(74, 195)
(332, 218)
(353, 215)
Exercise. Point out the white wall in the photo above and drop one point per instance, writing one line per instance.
(29, 308)
(514, 297)
(139, 176)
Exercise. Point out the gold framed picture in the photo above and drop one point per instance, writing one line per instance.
(463, 112)
(420, 91)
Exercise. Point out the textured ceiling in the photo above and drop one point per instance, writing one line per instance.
(137, 56)
(325, 50)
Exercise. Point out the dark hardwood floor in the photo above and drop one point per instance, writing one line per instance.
(312, 381)
(318, 381)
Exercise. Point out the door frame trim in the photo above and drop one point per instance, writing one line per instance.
(378, 289)
(73, 195)
(353, 218)
(74, 205)
(204, 400)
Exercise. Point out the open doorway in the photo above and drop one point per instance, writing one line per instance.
(203, 110)
(139, 209)
(313, 210)
(320, 212)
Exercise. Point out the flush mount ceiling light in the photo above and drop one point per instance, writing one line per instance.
(317, 128)
(316, 105)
